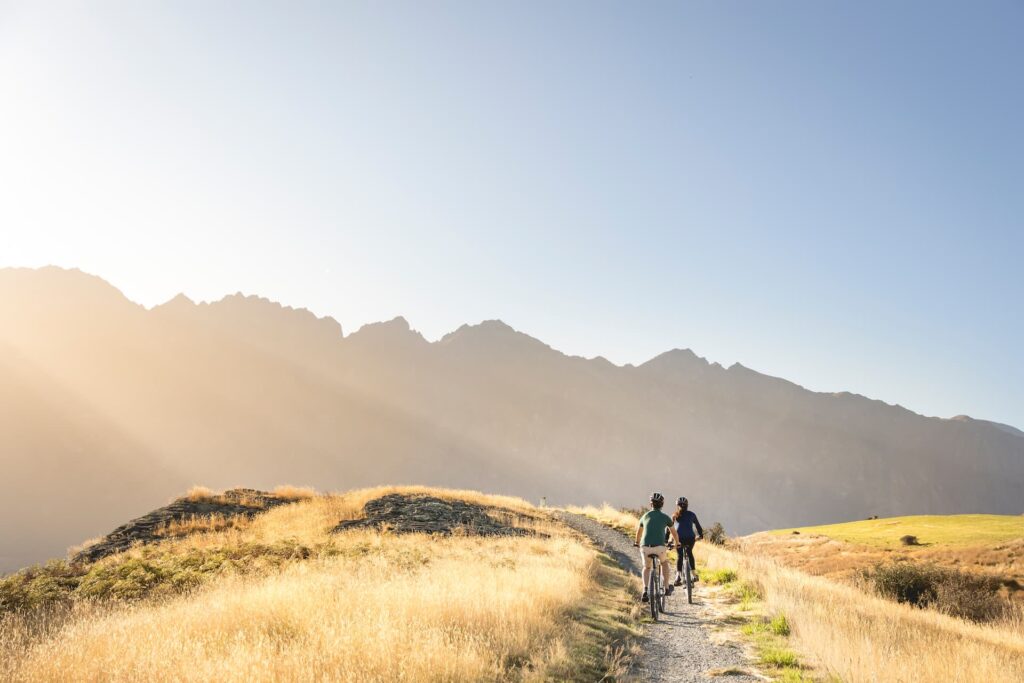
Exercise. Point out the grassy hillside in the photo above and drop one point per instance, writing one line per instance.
(988, 546)
(928, 529)
(286, 596)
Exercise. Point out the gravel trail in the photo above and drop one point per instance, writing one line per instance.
(676, 648)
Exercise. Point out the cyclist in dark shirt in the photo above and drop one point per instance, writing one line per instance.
(684, 521)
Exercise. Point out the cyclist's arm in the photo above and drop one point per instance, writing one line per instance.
(675, 535)
(696, 523)
(639, 531)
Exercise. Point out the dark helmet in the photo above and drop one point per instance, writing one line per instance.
(657, 498)
(682, 502)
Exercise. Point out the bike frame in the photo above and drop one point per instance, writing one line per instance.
(656, 592)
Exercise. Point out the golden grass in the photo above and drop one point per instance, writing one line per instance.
(88, 543)
(378, 607)
(609, 516)
(289, 492)
(865, 639)
(197, 524)
(198, 493)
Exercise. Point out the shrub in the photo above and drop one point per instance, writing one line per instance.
(128, 580)
(968, 596)
(715, 534)
(153, 572)
(903, 582)
(949, 591)
(41, 585)
(909, 540)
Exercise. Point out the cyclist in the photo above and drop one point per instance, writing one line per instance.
(684, 520)
(650, 536)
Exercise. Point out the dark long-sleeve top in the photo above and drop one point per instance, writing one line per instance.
(685, 524)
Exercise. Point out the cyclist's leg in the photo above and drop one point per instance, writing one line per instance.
(663, 557)
(679, 562)
(688, 546)
(648, 563)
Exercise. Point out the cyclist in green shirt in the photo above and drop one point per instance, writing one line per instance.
(650, 536)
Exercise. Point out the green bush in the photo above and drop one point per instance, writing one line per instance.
(49, 584)
(151, 572)
(903, 582)
(715, 534)
(949, 591)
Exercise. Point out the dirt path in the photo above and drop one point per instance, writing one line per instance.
(677, 648)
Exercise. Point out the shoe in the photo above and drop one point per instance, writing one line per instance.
(679, 581)
(668, 591)
(644, 598)
(696, 578)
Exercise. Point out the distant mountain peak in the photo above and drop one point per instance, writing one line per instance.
(180, 302)
(491, 334)
(676, 360)
(59, 288)
(391, 332)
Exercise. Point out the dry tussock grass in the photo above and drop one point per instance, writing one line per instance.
(199, 493)
(378, 608)
(821, 555)
(289, 492)
(862, 638)
(609, 516)
(196, 524)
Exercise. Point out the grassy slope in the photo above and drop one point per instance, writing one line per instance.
(942, 529)
(360, 605)
(992, 545)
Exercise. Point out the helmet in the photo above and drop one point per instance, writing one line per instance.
(657, 498)
(682, 502)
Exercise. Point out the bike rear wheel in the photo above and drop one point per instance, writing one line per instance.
(689, 583)
(661, 592)
(652, 591)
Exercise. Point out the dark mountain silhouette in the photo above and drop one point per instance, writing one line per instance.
(107, 410)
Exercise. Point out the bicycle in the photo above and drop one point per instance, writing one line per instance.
(655, 591)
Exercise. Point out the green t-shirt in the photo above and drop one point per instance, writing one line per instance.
(655, 523)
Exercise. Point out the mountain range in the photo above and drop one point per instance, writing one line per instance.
(107, 409)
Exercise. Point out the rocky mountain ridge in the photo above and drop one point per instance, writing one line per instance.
(107, 402)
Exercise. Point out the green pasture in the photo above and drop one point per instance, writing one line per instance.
(929, 529)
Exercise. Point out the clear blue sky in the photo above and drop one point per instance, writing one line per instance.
(829, 192)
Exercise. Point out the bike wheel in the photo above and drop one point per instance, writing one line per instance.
(652, 593)
(689, 583)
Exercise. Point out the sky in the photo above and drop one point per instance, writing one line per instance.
(828, 192)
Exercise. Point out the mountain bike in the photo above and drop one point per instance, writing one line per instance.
(655, 591)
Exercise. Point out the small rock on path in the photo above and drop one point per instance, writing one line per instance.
(677, 648)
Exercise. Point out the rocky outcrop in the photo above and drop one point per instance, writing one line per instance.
(421, 514)
(150, 528)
